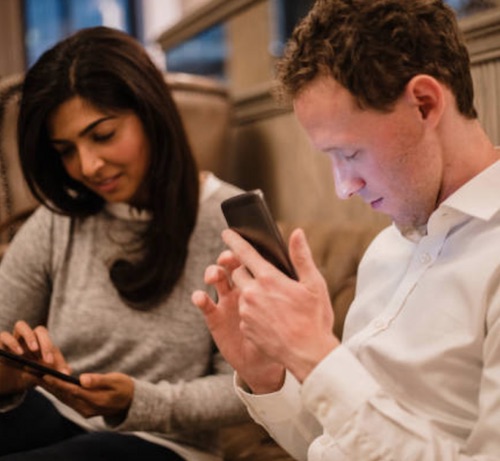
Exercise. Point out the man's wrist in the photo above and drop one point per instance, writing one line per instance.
(302, 366)
(265, 382)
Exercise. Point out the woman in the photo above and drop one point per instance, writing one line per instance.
(98, 281)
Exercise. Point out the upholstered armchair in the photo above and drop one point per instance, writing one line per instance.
(16, 202)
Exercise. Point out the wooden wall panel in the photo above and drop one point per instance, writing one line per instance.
(11, 38)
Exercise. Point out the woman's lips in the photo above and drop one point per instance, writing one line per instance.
(106, 185)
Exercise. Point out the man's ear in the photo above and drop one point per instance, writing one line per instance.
(426, 93)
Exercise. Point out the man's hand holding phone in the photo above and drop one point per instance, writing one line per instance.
(255, 368)
(291, 321)
(274, 307)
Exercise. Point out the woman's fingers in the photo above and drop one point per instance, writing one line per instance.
(26, 337)
(47, 347)
(7, 341)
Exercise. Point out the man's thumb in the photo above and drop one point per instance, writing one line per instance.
(301, 256)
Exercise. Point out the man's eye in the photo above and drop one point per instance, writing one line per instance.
(352, 156)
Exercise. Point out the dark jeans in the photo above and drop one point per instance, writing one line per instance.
(35, 431)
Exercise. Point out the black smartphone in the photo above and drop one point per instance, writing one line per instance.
(37, 367)
(249, 215)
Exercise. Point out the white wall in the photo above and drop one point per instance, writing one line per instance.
(158, 15)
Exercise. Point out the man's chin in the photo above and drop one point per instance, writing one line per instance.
(412, 231)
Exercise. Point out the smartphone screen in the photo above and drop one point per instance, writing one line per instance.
(36, 367)
(249, 215)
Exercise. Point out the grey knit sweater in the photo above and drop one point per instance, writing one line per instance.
(56, 274)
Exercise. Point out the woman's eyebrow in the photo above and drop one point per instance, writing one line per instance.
(88, 128)
(92, 125)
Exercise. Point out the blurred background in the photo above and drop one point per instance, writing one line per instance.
(38, 24)
(235, 43)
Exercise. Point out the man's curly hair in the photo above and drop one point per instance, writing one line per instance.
(375, 47)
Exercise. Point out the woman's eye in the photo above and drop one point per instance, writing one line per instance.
(65, 151)
(102, 137)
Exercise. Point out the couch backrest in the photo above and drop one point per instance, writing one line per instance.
(15, 198)
(206, 112)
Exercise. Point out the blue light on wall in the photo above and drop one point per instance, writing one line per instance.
(204, 54)
(49, 21)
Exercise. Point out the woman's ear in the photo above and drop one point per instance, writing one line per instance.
(427, 94)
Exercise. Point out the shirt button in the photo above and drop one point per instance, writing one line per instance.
(425, 258)
(323, 408)
(379, 324)
(324, 440)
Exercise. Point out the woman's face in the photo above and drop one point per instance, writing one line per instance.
(108, 152)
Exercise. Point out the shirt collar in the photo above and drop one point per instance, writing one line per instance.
(479, 197)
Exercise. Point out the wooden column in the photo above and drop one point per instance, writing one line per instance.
(12, 55)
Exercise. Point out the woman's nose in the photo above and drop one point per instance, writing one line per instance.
(90, 162)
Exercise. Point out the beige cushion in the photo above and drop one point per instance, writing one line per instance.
(15, 198)
(205, 109)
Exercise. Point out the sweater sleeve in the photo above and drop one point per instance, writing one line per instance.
(25, 279)
(205, 403)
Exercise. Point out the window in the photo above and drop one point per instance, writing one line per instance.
(204, 54)
(207, 52)
(287, 14)
(49, 21)
(468, 7)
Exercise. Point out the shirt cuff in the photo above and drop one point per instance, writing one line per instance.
(337, 388)
(275, 407)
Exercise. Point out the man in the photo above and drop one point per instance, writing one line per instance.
(383, 87)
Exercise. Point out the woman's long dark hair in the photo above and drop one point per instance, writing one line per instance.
(112, 71)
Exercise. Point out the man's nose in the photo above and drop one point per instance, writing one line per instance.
(347, 181)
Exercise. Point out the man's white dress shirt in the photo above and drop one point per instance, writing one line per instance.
(417, 377)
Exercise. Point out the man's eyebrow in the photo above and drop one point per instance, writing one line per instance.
(330, 149)
(88, 128)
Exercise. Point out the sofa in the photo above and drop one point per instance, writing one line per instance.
(205, 108)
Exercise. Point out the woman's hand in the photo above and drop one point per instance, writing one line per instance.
(15, 379)
(34, 344)
(107, 394)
